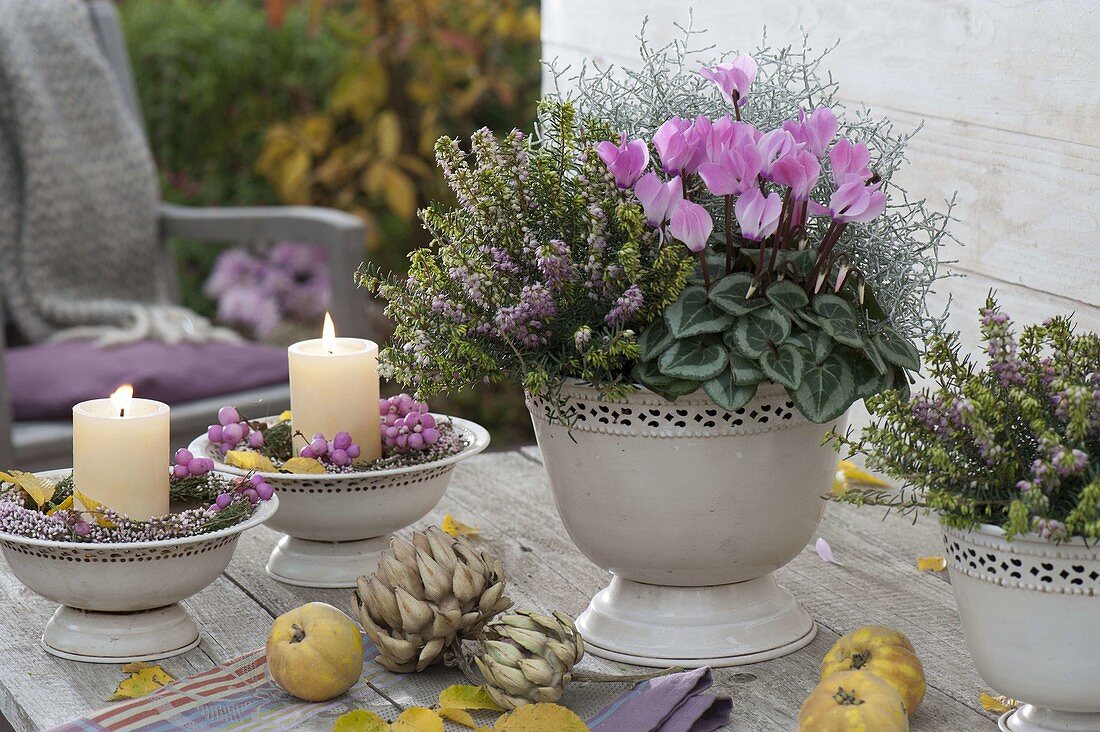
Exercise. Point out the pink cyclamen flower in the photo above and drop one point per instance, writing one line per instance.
(815, 131)
(775, 145)
(679, 145)
(658, 198)
(692, 225)
(725, 132)
(733, 170)
(626, 161)
(856, 202)
(733, 79)
(758, 216)
(849, 159)
(799, 170)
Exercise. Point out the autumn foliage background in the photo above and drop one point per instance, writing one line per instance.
(333, 103)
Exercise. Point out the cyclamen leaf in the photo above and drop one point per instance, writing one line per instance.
(815, 342)
(787, 295)
(873, 355)
(895, 349)
(834, 307)
(730, 294)
(654, 340)
(753, 332)
(868, 381)
(727, 393)
(784, 365)
(744, 371)
(826, 390)
(691, 359)
(647, 373)
(692, 314)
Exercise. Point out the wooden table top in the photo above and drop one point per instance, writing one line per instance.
(875, 581)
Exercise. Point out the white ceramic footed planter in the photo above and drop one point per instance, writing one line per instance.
(120, 602)
(1030, 611)
(691, 508)
(336, 525)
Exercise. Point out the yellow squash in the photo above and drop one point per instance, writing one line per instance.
(853, 701)
(887, 654)
(315, 652)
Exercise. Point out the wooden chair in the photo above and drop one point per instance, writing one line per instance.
(40, 445)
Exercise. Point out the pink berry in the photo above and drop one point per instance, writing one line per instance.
(340, 457)
(256, 439)
(384, 407)
(252, 496)
(214, 433)
(232, 433)
(264, 491)
(416, 441)
(390, 420)
(208, 464)
(180, 471)
(184, 456)
(427, 420)
(82, 528)
(307, 452)
(245, 429)
(227, 446)
(196, 466)
(320, 446)
(341, 441)
(223, 500)
(228, 416)
(431, 435)
(353, 451)
(392, 432)
(256, 479)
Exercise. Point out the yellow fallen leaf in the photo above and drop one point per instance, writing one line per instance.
(135, 666)
(417, 719)
(997, 704)
(248, 460)
(856, 474)
(458, 716)
(63, 506)
(541, 718)
(456, 528)
(285, 416)
(39, 489)
(303, 465)
(931, 564)
(360, 720)
(93, 507)
(462, 696)
(142, 682)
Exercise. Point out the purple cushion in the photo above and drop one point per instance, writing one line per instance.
(46, 380)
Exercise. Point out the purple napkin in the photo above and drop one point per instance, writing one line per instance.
(674, 703)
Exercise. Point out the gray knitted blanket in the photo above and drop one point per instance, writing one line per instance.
(79, 250)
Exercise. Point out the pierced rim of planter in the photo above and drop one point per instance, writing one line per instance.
(264, 511)
(764, 388)
(996, 532)
(477, 435)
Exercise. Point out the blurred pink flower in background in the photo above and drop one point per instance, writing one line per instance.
(257, 292)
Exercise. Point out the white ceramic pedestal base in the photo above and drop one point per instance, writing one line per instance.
(97, 637)
(1029, 718)
(327, 564)
(722, 625)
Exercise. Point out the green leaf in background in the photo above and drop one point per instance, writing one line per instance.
(873, 355)
(744, 371)
(867, 378)
(788, 296)
(826, 391)
(729, 294)
(654, 340)
(783, 364)
(728, 394)
(832, 307)
(692, 314)
(895, 349)
(693, 359)
(753, 332)
(816, 343)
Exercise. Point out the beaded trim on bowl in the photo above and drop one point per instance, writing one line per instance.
(1061, 569)
(645, 414)
(94, 553)
(336, 484)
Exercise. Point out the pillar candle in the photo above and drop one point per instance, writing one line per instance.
(120, 453)
(334, 388)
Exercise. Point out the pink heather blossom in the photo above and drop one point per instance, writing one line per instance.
(733, 170)
(733, 79)
(815, 131)
(856, 202)
(658, 198)
(799, 171)
(758, 216)
(773, 146)
(849, 159)
(692, 225)
(679, 145)
(626, 161)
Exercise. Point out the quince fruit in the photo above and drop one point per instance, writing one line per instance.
(853, 701)
(883, 652)
(315, 652)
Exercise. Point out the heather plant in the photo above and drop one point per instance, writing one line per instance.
(1014, 442)
(545, 270)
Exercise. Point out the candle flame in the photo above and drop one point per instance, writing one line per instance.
(328, 334)
(121, 398)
